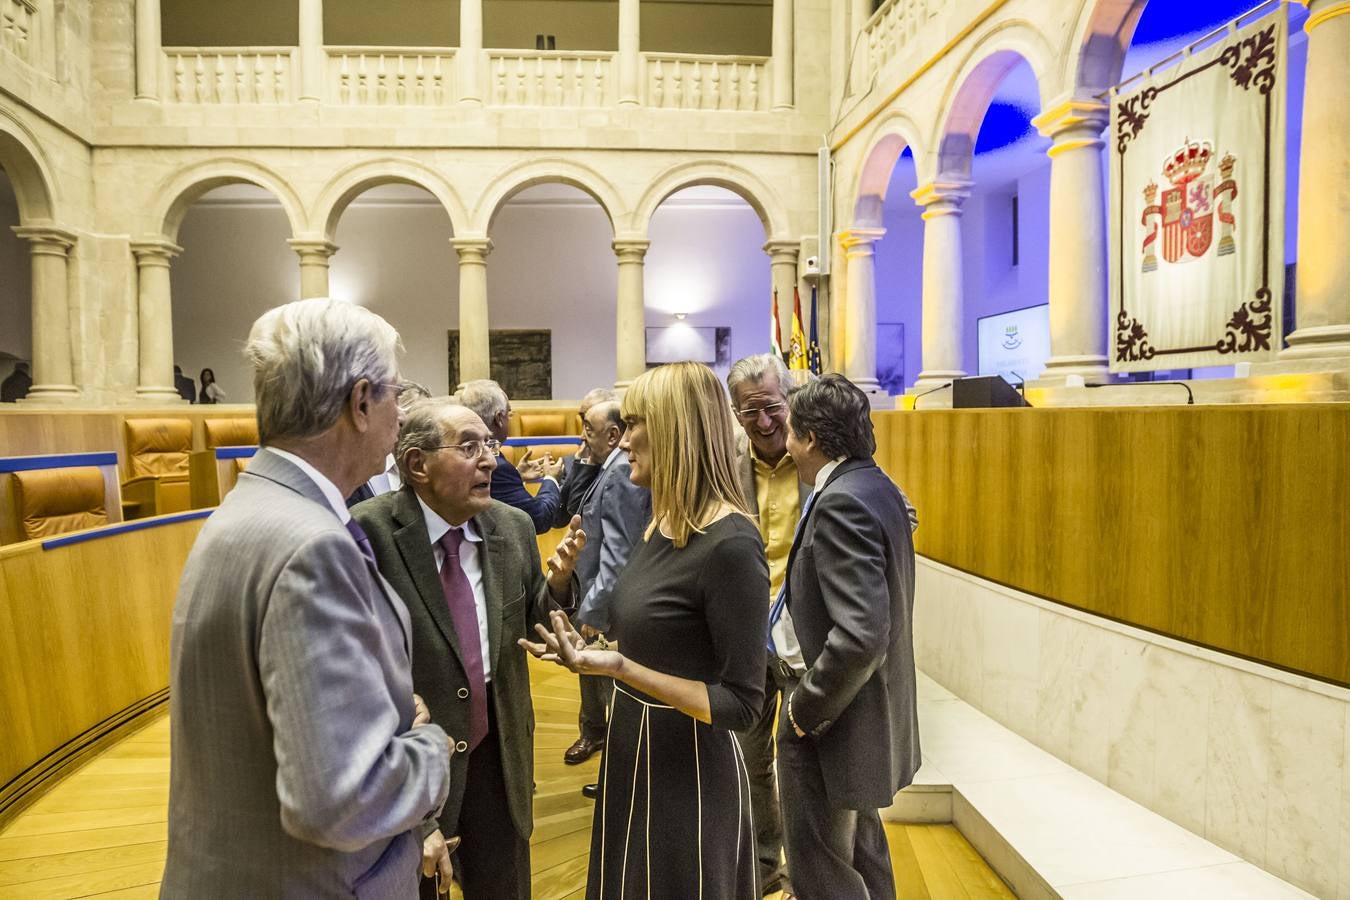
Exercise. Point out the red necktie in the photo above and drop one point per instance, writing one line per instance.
(464, 614)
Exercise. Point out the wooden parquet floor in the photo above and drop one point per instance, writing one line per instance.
(101, 832)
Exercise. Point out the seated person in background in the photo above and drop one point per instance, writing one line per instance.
(409, 392)
(186, 389)
(469, 570)
(579, 471)
(17, 385)
(487, 399)
(211, 392)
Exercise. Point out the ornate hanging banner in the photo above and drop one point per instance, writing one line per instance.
(1197, 189)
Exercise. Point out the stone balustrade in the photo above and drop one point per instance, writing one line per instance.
(391, 76)
(18, 22)
(230, 75)
(689, 81)
(892, 28)
(551, 78)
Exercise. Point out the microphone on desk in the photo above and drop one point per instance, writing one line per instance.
(1190, 397)
(940, 387)
(1021, 385)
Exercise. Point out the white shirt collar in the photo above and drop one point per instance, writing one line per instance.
(613, 454)
(437, 527)
(330, 491)
(826, 471)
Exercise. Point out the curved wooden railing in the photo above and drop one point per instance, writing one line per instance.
(1225, 526)
(84, 642)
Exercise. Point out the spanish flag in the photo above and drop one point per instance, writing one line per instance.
(797, 358)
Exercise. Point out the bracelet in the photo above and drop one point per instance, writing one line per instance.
(791, 718)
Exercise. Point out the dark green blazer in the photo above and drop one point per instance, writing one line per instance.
(517, 597)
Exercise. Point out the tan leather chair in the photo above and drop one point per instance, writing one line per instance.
(157, 459)
(55, 501)
(543, 423)
(237, 432)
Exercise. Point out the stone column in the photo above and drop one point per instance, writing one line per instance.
(474, 352)
(630, 40)
(1322, 311)
(943, 291)
(153, 257)
(53, 370)
(783, 63)
(631, 313)
(469, 56)
(147, 49)
(859, 307)
(312, 58)
(783, 275)
(314, 255)
(1079, 300)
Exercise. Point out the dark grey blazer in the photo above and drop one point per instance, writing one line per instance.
(851, 595)
(295, 770)
(614, 513)
(517, 597)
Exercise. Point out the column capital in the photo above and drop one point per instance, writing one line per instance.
(1072, 116)
(312, 247)
(859, 240)
(941, 197)
(472, 248)
(630, 249)
(46, 239)
(783, 251)
(154, 251)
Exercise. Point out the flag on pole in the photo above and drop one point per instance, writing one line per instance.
(813, 352)
(775, 335)
(797, 353)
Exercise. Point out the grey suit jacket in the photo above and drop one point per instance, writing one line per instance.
(517, 596)
(295, 768)
(851, 594)
(614, 513)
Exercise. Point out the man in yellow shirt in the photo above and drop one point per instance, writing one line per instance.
(758, 386)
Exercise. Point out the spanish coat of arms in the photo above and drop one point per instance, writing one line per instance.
(1185, 217)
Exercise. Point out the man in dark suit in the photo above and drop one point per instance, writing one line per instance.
(468, 568)
(187, 388)
(579, 470)
(848, 735)
(490, 403)
(614, 512)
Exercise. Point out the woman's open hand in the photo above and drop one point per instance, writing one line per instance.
(565, 646)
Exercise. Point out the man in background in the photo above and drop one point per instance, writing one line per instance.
(15, 387)
(302, 765)
(579, 470)
(487, 399)
(187, 388)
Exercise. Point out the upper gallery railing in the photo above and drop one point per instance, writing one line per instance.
(430, 76)
(391, 76)
(688, 81)
(891, 29)
(230, 75)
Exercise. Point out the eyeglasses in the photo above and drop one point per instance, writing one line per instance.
(473, 449)
(752, 413)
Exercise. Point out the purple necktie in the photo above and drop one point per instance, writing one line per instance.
(359, 535)
(464, 614)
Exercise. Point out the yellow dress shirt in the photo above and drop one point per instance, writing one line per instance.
(780, 506)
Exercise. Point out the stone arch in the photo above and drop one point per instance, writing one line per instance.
(28, 172)
(1097, 45)
(734, 178)
(888, 140)
(547, 171)
(355, 180)
(969, 93)
(186, 187)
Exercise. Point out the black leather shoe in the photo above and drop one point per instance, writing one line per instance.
(583, 749)
(590, 791)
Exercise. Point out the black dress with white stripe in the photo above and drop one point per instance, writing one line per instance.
(673, 818)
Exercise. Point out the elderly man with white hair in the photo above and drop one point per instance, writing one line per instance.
(302, 763)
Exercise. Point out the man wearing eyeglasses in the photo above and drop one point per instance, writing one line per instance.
(758, 386)
(468, 567)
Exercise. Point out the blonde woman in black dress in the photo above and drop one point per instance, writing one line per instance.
(673, 817)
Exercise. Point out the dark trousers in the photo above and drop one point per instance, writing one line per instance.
(493, 860)
(757, 745)
(595, 694)
(834, 854)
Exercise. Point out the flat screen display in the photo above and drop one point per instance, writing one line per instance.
(1017, 341)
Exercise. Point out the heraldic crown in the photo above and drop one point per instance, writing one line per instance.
(1188, 162)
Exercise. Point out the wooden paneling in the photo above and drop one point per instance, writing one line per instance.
(84, 641)
(1226, 526)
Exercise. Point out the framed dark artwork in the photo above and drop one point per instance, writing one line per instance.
(891, 357)
(520, 360)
